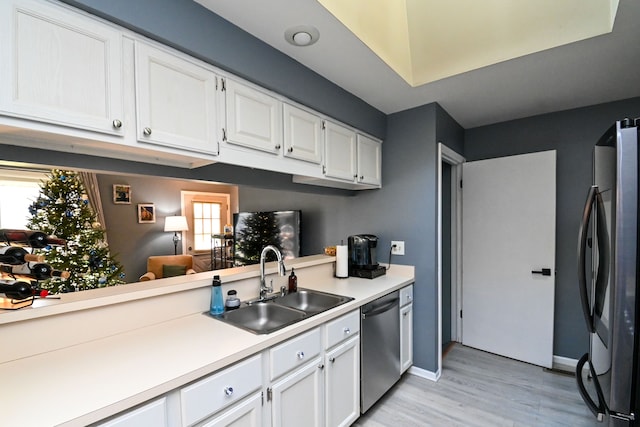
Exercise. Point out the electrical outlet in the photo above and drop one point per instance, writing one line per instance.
(397, 247)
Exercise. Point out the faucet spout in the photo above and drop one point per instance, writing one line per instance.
(264, 289)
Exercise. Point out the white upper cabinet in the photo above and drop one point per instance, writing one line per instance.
(254, 119)
(302, 134)
(369, 160)
(176, 101)
(340, 152)
(60, 67)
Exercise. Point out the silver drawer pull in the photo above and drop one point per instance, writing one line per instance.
(332, 359)
(346, 331)
(300, 355)
(228, 391)
(117, 124)
(146, 131)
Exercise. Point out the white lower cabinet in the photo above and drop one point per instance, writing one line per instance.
(406, 328)
(325, 389)
(247, 413)
(310, 380)
(296, 399)
(342, 383)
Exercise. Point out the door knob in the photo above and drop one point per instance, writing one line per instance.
(544, 272)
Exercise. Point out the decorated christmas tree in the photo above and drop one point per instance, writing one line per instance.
(63, 209)
(260, 229)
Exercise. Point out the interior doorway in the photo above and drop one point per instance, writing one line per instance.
(449, 265)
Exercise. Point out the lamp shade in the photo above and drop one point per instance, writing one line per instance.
(175, 223)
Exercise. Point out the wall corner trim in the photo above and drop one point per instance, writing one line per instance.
(423, 373)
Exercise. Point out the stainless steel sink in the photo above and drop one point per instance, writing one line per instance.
(311, 302)
(262, 318)
(279, 312)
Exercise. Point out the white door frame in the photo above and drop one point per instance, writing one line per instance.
(449, 156)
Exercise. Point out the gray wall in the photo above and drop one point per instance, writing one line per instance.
(572, 133)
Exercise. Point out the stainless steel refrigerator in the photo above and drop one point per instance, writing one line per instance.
(608, 376)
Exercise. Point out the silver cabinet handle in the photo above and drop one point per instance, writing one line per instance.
(117, 124)
(332, 359)
(405, 313)
(290, 149)
(346, 331)
(320, 367)
(300, 355)
(278, 147)
(146, 131)
(228, 391)
(361, 177)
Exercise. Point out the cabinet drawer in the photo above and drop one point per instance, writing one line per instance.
(406, 295)
(207, 396)
(294, 352)
(342, 328)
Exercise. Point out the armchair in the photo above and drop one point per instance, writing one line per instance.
(162, 266)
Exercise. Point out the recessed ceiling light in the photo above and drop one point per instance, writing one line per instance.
(302, 35)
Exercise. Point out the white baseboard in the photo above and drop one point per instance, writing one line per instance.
(423, 373)
(564, 364)
(559, 363)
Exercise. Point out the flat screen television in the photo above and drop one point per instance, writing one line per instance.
(252, 231)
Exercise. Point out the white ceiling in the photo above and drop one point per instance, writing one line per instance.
(599, 69)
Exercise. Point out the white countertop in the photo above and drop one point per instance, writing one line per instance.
(84, 383)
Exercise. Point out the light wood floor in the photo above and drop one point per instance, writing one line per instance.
(482, 389)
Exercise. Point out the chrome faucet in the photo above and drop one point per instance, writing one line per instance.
(264, 289)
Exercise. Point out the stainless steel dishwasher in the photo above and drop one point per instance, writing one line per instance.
(380, 348)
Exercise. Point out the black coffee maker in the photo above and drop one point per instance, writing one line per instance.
(362, 256)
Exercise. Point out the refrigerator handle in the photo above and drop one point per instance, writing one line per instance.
(582, 249)
(598, 410)
(604, 259)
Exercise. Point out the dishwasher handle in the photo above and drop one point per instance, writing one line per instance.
(380, 309)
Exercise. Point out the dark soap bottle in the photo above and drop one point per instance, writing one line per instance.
(293, 282)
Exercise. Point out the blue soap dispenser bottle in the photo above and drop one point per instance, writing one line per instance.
(217, 302)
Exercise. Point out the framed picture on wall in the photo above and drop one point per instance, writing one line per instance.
(121, 194)
(146, 213)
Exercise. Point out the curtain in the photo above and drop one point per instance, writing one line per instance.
(90, 182)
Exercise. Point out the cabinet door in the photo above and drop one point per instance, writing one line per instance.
(245, 414)
(369, 161)
(254, 119)
(59, 66)
(340, 152)
(342, 384)
(151, 414)
(406, 337)
(297, 398)
(302, 134)
(176, 101)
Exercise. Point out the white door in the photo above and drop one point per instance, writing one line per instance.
(509, 211)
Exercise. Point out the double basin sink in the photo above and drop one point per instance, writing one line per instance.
(263, 317)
